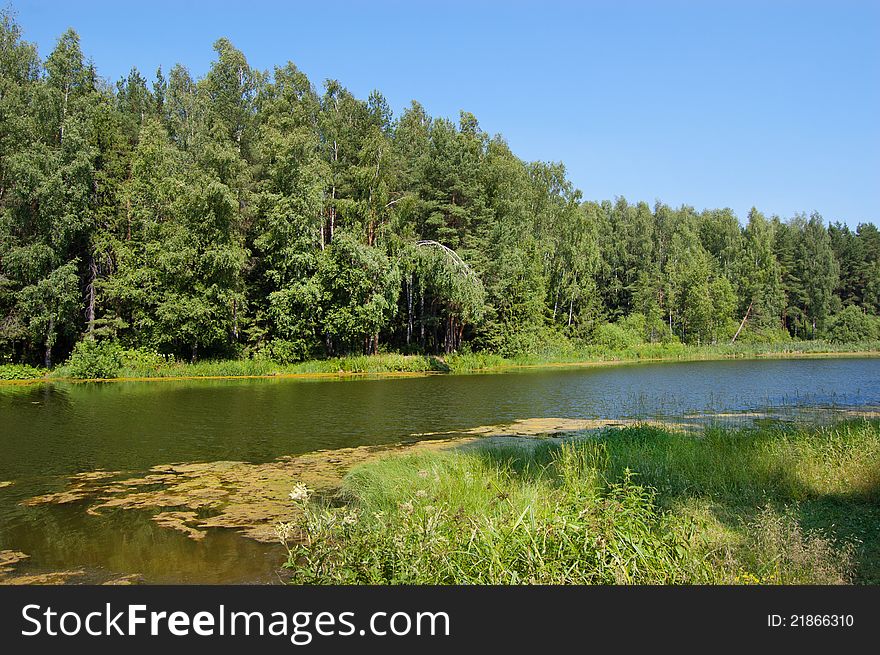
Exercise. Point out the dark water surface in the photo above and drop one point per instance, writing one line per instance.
(50, 431)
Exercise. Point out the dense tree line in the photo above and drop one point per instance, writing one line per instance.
(250, 211)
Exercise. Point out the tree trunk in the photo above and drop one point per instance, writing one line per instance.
(409, 320)
(47, 359)
(450, 334)
(742, 324)
(195, 353)
(90, 310)
(422, 319)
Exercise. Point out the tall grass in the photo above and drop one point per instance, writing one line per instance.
(664, 351)
(637, 505)
(145, 364)
(358, 364)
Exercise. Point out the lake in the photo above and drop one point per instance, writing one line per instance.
(50, 431)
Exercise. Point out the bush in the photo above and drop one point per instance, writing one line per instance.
(617, 336)
(538, 341)
(282, 351)
(93, 359)
(636, 323)
(141, 361)
(19, 372)
(852, 325)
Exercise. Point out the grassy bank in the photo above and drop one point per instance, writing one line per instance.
(636, 505)
(661, 352)
(144, 365)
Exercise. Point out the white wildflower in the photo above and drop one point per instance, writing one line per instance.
(300, 492)
(284, 532)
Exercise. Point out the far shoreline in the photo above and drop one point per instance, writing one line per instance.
(374, 366)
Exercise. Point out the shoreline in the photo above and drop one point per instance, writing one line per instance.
(509, 365)
(250, 499)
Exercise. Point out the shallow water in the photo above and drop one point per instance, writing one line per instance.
(51, 431)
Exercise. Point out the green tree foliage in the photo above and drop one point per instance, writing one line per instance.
(180, 261)
(852, 325)
(699, 299)
(249, 212)
(817, 270)
(48, 200)
(358, 288)
(758, 273)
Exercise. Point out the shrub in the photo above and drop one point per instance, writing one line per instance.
(617, 336)
(538, 341)
(283, 351)
(93, 359)
(851, 325)
(19, 372)
(635, 323)
(141, 360)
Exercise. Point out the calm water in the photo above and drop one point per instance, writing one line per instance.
(48, 432)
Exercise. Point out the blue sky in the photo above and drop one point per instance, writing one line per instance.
(711, 104)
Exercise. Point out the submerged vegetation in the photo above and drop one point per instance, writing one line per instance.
(249, 216)
(634, 505)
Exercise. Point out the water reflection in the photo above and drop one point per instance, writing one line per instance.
(50, 431)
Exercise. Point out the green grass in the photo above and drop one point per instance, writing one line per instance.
(637, 505)
(138, 364)
(142, 364)
(659, 351)
(383, 363)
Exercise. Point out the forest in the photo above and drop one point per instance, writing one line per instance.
(252, 213)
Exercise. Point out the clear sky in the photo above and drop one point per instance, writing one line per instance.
(712, 104)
